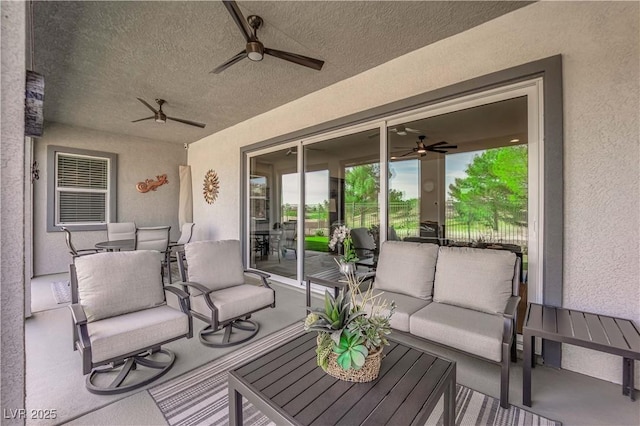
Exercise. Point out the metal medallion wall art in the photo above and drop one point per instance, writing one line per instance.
(211, 187)
(151, 185)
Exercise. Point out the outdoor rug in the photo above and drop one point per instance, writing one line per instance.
(61, 291)
(201, 396)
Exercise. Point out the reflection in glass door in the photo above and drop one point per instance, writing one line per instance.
(273, 212)
(342, 183)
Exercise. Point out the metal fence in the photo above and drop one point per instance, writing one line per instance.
(405, 220)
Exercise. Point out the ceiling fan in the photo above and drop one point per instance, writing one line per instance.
(399, 130)
(254, 49)
(421, 149)
(161, 117)
(294, 151)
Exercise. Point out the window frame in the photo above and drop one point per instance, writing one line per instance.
(52, 191)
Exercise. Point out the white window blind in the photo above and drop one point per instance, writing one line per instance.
(82, 189)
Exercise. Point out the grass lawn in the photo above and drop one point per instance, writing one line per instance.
(316, 243)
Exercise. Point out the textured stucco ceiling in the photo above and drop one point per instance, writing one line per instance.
(97, 57)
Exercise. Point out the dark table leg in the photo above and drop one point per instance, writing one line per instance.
(449, 415)
(308, 295)
(235, 407)
(529, 347)
(628, 386)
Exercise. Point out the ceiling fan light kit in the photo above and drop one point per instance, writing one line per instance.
(421, 149)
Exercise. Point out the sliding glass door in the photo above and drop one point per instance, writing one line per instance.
(462, 173)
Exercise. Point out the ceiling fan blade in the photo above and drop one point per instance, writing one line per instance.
(439, 151)
(189, 122)
(408, 153)
(306, 61)
(147, 105)
(142, 119)
(239, 56)
(410, 130)
(238, 18)
(448, 147)
(438, 143)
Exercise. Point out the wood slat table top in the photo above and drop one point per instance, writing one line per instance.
(602, 332)
(409, 385)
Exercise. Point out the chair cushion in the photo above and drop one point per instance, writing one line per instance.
(405, 307)
(111, 284)
(215, 264)
(235, 301)
(137, 331)
(121, 231)
(478, 279)
(470, 331)
(407, 268)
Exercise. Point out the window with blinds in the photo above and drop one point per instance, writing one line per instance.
(82, 189)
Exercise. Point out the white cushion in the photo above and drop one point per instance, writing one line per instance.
(478, 279)
(116, 336)
(405, 307)
(111, 284)
(407, 268)
(215, 264)
(470, 331)
(235, 301)
(121, 231)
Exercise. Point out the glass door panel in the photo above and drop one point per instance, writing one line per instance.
(342, 184)
(461, 178)
(273, 212)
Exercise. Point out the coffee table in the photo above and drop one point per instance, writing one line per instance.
(288, 387)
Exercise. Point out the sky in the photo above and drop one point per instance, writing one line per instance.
(403, 179)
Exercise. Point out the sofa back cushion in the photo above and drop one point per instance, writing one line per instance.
(472, 278)
(111, 284)
(407, 268)
(215, 264)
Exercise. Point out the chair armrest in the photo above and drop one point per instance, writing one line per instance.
(259, 273)
(512, 307)
(508, 318)
(183, 298)
(204, 290)
(262, 276)
(77, 314)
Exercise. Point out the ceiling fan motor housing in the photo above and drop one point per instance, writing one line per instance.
(255, 50)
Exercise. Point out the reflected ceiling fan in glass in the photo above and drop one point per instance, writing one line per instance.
(421, 149)
(399, 130)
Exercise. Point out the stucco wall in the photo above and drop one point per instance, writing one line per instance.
(599, 42)
(138, 159)
(12, 245)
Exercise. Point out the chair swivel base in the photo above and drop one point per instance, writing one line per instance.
(218, 339)
(130, 364)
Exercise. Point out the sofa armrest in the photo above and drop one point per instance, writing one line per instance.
(512, 307)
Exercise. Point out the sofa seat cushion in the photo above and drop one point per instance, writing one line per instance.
(475, 332)
(235, 301)
(405, 307)
(407, 268)
(123, 334)
(479, 279)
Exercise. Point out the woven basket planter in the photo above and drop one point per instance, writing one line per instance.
(367, 373)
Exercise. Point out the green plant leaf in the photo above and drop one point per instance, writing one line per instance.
(357, 359)
(344, 360)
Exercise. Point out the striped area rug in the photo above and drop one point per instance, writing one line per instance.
(201, 396)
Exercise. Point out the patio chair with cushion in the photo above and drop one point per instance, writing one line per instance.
(121, 231)
(121, 319)
(219, 291)
(72, 249)
(155, 238)
(363, 242)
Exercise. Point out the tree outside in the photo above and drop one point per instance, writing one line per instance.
(493, 194)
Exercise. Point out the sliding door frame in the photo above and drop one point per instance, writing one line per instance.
(552, 222)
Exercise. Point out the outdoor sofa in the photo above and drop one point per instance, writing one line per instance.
(459, 297)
